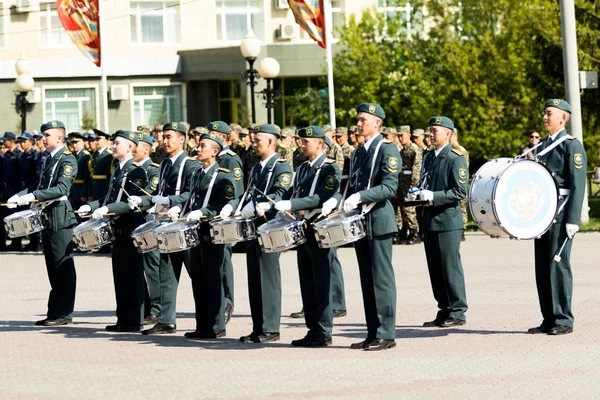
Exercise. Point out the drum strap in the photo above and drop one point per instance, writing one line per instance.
(210, 188)
(309, 214)
(52, 173)
(552, 146)
(238, 210)
(181, 168)
(190, 199)
(369, 206)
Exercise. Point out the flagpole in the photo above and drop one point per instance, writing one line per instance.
(328, 39)
(102, 67)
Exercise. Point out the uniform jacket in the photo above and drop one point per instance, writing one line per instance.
(78, 190)
(229, 160)
(222, 192)
(446, 176)
(278, 185)
(381, 219)
(11, 168)
(30, 168)
(102, 167)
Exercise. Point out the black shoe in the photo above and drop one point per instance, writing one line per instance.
(361, 345)
(54, 321)
(32, 247)
(160, 329)
(312, 341)
(380, 344)
(299, 314)
(451, 322)
(539, 329)
(122, 328)
(432, 324)
(462, 236)
(339, 313)
(151, 319)
(228, 313)
(413, 238)
(15, 247)
(248, 338)
(112, 328)
(261, 338)
(560, 330)
(204, 335)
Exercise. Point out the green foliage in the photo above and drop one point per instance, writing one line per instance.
(308, 107)
(87, 121)
(489, 66)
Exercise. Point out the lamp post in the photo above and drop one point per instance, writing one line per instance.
(23, 85)
(250, 48)
(269, 69)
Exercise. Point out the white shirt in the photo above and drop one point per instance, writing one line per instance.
(438, 151)
(265, 161)
(311, 163)
(102, 149)
(122, 163)
(173, 159)
(553, 137)
(144, 160)
(205, 170)
(53, 153)
(368, 144)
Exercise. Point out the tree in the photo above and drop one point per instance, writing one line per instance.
(309, 107)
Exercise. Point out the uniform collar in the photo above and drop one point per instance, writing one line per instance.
(438, 151)
(368, 144)
(174, 158)
(313, 162)
(122, 163)
(264, 162)
(556, 135)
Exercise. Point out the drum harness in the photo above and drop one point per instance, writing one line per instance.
(250, 188)
(42, 205)
(313, 187)
(179, 175)
(193, 192)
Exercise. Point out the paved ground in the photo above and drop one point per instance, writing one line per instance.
(491, 357)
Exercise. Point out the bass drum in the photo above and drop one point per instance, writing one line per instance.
(515, 199)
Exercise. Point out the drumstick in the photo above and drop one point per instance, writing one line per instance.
(90, 215)
(273, 202)
(9, 204)
(166, 213)
(129, 197)
(557, 257)
(141, 189)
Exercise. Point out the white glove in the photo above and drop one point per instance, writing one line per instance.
(194, 216)
(26, 199)
(152, 210)
(261, 208)
(84, 209)
(226, 211)
(248, 210)
(174, 212)
(412, 196)
(426, 195)
(99, 213)
(572, 229)
(328, 206)
(283, 205)
(160, 200)
(134, 202)
(351, 202)
(13, 202)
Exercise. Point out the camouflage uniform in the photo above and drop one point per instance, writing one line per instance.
(337, 155)
(463, 202)
(409, 177)
(285, 152)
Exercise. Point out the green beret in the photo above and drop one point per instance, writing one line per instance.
(442, 121)
(218, 126)
(268, 128)
(131, 136)
(341, 131)
(558, 103)
(142, 137)
(213, 137)
(312, 131)
(328, 142)
(174, 126)
(52, 125)
(371, 108)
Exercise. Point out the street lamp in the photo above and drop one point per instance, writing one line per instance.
(269, 69)
(250, 48)
(23, 85)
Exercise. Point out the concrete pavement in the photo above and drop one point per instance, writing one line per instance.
(491, 357)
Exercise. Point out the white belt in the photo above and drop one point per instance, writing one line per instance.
(564, 192)
(62, 198)
(407, 172)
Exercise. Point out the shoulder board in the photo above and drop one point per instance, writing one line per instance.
(281, 160)
(137, 164)
(109, 151)
(231, 152)
(223, 170)
(86, 152)
(387, 141)
(571, 137)
(155, 165)
(67, 152)
(457, 151)
(329, 161)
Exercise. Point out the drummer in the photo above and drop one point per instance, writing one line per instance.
(127, 263)
(54, 186)
(175, 176)
(273, 177)
(210, 190)
(317, 181)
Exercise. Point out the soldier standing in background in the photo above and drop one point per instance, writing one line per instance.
(235, 140)
(412, 156)
(352, 136)
(463, 203)
(11, 178)
(335, 153)
(159, 153)
(420, 137)
(30, 169)
(285, 149)
(77, 195)
(101, 169)
(341, 136)
(298, 156)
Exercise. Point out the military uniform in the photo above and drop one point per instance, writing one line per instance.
(264, 275)
(127, 263)
(11, 166)
(101, 170)
(554, 280)
(409, 177)
(298, 158)
(78, 190)
(446, 176)
(463, 202)
(159, 154)
(249, 160)
(336, 154)
(170, 264)
(207, 260)
(57, 239)
(314, 263)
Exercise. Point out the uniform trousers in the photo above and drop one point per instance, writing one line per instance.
(58, 254)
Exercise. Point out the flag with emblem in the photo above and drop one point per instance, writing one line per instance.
(310, 15)
(80, 18)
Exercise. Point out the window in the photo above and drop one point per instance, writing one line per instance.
(155, 22)
(2, 42)
(71, 106)
(235, 17)
(51, 30)
(401, 12)
(338, 15)
(229, 101)
(156, 105)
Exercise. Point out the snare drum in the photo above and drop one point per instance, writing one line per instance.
(143, 236)
(25, 222)
(340, 229)
(232, 230)
(93, 234)
(177, 236)
(281, 234)
(513, 198)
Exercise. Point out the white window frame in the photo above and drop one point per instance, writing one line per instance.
(44, 30)
(182, 85)
(341, 10)
(3, 35)
(157, 12)
(222, 12)
(67, 87)
(407, 9)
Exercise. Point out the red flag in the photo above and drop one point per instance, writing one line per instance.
(80, 18)
(310, 15)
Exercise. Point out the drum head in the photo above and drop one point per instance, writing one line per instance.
(526, 199)
(21, 214)
(277, 224)
(91, 225)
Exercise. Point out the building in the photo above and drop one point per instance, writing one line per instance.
(165, 60)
